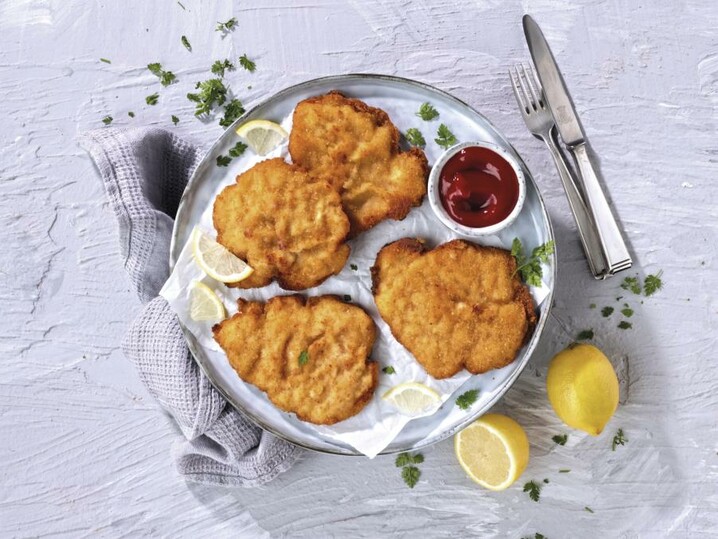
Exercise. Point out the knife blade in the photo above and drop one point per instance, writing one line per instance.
(554, 87)
(569, 127)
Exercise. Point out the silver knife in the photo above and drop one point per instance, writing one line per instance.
(569, 127)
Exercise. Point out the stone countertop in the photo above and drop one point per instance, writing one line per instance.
(86, 452)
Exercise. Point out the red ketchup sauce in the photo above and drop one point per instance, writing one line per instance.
(478, 187)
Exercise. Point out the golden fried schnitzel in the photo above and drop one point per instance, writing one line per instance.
(355, 147)
(309, 356)
(458, 306)
(285, 223)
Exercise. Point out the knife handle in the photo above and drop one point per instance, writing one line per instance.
(586, 231)
(614, 248)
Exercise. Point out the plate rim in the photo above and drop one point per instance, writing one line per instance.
(345, 449)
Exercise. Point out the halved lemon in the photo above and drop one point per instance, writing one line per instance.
(412, 398)
(262, 135)
(216, 260)
(204, 303)
(493, 451)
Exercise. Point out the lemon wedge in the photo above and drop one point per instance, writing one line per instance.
(493, 451)
(262, 135)
(413, 399)
(216, 260)
(204, 303)
(582, 387)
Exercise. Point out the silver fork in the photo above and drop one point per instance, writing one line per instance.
(538, 118)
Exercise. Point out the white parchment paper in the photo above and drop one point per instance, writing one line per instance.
(377, 425)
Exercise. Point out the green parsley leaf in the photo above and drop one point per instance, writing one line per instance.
(105, 60)
(415, 138)
(542, 252)
(465, 400)
(516, 249)
(560, 439)
(623, 324)
(404, 459)
(411, 475)
(186, 43)
(303, 357)
(534, 490)
(537, 535)
(618, 439)
(607, 311)
(389, 370)
(247, 64)
(587, 508)
(220, 66)
(152, 99)
(175, 120)
(166, 77)
(564, 470)
(653, 283)
(346, 297)
(131, 114)
(427, 112)
(233, 110)
(353, 267)
(530, 268)
(585, 335)
(107, 120)
(223, 160)
(632, 284)
(445, 137)
(545, 481)
(226, 27)
(211, 93)
(627, 312)
(238, 149)
(592, 306)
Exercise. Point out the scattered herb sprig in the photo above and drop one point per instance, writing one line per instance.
(233, 110)
(618, 439)
(415, 138)
(585, 335)
(465, 400)
(247, 64)
(607, 311)
(105, 60)
(212, 93)
(534, 490)
(530, 267)
(560, 439)
(303, 358)
(220, 66)
(427, 112)
(152, 99)
(389, 370)
(226, 27)
(107, 120)
(652, 283)
(409, 473)
(166, 77)
(186, 43)
(445, 138)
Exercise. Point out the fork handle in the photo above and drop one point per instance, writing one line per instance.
(586, 231)
(614, 248)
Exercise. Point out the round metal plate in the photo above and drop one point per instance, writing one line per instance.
(534, 228)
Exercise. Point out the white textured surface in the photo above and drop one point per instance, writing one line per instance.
(84, 451)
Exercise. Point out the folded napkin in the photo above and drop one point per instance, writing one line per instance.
(144, 171)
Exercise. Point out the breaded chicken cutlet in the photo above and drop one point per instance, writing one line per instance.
(285, 223)
(309, 356)
(458, 306)
(355, 147)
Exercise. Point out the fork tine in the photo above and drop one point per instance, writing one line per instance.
(518, 92)
(536, 89)
(537, 85)
(531, 105)
(535, 99)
